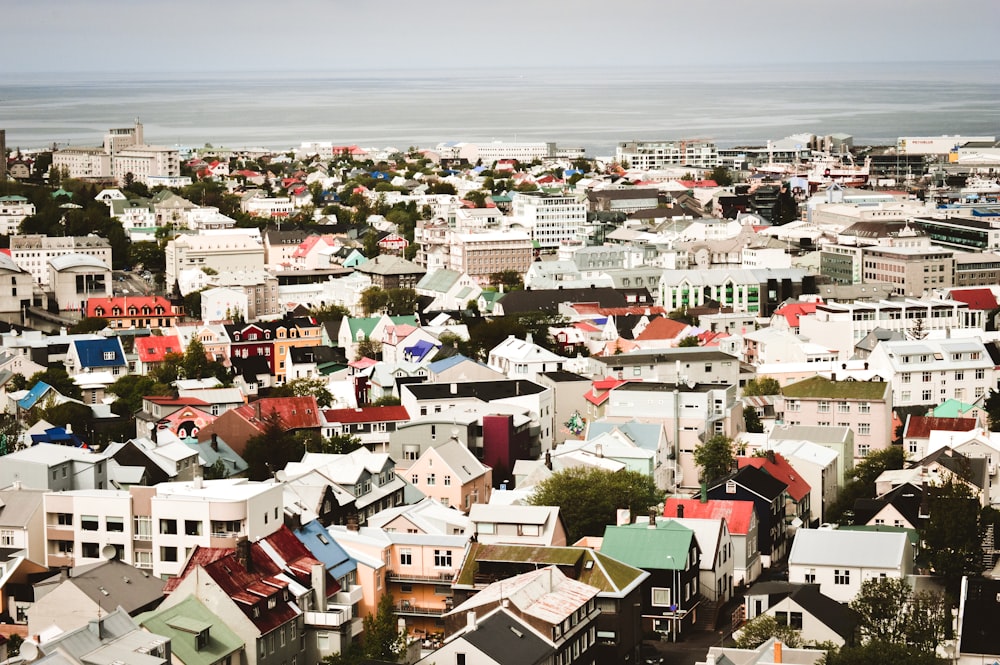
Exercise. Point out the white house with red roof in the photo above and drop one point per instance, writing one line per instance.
(741, 520)
(663, 333)
(787, 316)
(315, 252)
(373, 425)
(127, 313)
(151, 350)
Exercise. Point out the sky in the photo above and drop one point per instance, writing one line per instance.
(336, 36)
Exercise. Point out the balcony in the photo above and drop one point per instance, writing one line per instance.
(350, 595)
(440, 578)
(335, 616)
(406, 608)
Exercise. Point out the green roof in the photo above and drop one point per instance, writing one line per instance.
(13, 198)
(597, 569)
(953, 408)
(439, 281)
(664, 548)
(182, 623)
(367, 324)
(501, 198)
(819, 386)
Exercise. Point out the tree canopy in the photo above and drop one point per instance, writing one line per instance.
(588, 498)
(953, 534)
(891, 612)
(862, 482)
(763, 627)
(305, 387)
(715, 457)
(761, 385)
(271, 451)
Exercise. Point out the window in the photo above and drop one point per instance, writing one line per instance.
(811, 576)
(926, 395)
(90, 550)
(864, 449)
(109, 355)
(980, 374)
(865, 407)
(959, 376)
(442, 558)
(192, 527)
(201, 641)
(116, 524)
(824, 407)
(841, 576)
(447, 481)
(864, 428)
(792, 405)
(906, 377)
(168, 554)
(143, 559)
(64, 519)
(925, 377)
(143, 528)
(406, 557)
(660, 597)
(414, 479)
(168, 527)
(6, 537)
(89, 522)
(430, 479)
(843, 407)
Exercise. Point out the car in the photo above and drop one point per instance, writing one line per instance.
(650, 656)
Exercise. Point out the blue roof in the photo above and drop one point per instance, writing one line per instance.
(419, 351)
(36, 393)
(446, 363)
(325, 549)
(379, 175)
(58, 435)
(645, 435)
(92, 352)
(233, 463)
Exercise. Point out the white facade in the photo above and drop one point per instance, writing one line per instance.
(13, 210)
(223, 253)
(931, 371)
(651, 155)
(145, 161)
(551, 219)
(32, 252)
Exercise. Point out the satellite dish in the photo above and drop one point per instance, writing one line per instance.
(109, 552)
(281, 476)
(29, 650)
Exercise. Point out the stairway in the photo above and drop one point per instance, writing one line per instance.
(708, 614)
(989, 548)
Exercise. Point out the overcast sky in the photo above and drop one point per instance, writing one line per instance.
(337, 36)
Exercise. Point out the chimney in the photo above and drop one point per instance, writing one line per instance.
(704, 492)
(243, 553)
(318, 577)
(548, 460)
(680, 510)
(470, 621)
(352, 523)
(652, 519)
(96, 626)
(215, 442)
(777, 652)
(770, 456)
(599, 450)
(69, 428)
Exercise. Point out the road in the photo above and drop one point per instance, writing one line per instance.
(130, 284)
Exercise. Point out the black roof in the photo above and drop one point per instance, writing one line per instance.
(757, 481)
(561, 376)
(506, 640)
(317, 354)
(548, 300)
(906, 499)
(484, 390)
(251, 368)
(836, 616)
(979, 612)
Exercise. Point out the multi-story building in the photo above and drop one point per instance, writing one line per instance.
(54, 467)
(260, 288)
(13, 210)
(226, 252)
(550, 218)
(652, 155)
(83, 163)
(494, 151)
(480, 255)
(32, 252)
(977, 269)
(932, 371)
(392, 272)
(272, 340)
(17, 288)
(372, 425)
(157, 527)
(913, 271)
(863, 406)
(124, 313)
(744, 290)
(841, 325)
(959, 232)
(142, 162)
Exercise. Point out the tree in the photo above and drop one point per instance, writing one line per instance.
(131, 388)
(751, 420)
(890, 612)
(862, 482)
(881, 653)
(197, 365)
(325, 313)
(714, 457)
(90, 324)
(690, 340)
(338, 444)
(369, 348)
(387, 400)
(382, 638)
(588, 498)
(305, 387)
(763, 627)
(272, 450)
(681, 314)
(511, 280)
(761, 385)
(721, 175)
(953, 536)
(785, 208)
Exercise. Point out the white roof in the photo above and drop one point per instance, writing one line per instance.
(481, 512)
(806, 451)
(865, 549)
(77, 261)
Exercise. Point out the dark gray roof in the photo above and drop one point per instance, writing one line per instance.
(112, 583)
(484, 390)
(548, 300)
(561, 376)
(836, 616)
(495, 637)
(666, 356)
(649, 387)
(979, 612)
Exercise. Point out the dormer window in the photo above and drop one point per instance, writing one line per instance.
(109, 355)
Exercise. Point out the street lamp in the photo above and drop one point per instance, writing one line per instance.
(675, 599)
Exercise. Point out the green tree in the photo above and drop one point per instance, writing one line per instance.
(714, 457)
(862, 482)
(325, 313)
(511, 280)
(890, 611)
(387, 400)
(147, 255)
(58, 378)
(369, 348)
(198, 366)
(305, 387)
(722, 176)
(169, 369)
(785, 208)
(272, 450)
(681, 314)
(131, 388)
(588, 498)
(953, 535)
(90, 324)
(751, 420)
(761, 385)
(382, 638)
(338, 444)
(374, 300)
(690, 340)
(882, 653)
(763, 627)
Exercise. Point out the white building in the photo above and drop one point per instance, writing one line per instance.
(523, 359)
(144, 162)
(222, 253)
(551, 219)
(13, 210)
(652, 155)
(32, 252)
(931, 371)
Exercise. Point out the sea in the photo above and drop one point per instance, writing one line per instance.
(590, 108)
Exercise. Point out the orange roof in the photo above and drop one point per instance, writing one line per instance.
(295, 412)
(619, 345)
(153, 348)
(662, 328)
(920, 427)
(126, 303)
(778, 467)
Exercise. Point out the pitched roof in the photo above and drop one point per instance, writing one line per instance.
(295, 412)
(114, 583)
(920, 427)
(981, 299)
(549, 299)
(830, 547)
(183, 622)
(779, 468)
(494, 636)
(662, 328)
(663, 548)
(126, 303)
(978, 615)
(756, 481)
(93, 352)
(153, 348)
(793, 310)
(367, 414)
(819, 386)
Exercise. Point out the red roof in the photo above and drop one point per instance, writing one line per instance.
(736, 513)
(793, 310)
(126, 303)
(295, 412)
(153, 348)
(601, 391)
(709, 338)
(982, 299)
(662, 328)
(920, 427)
(779, 468)
(176, 401)
(586, 327)
(368, 414)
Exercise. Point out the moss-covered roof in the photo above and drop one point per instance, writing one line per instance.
(819, 386)
(593, 568)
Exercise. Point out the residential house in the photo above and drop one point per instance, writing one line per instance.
(841, 561)
(767, 494)
(114, 636)
(53, 467)
(804, 608)
(237, 426)
(523, 359)
(449, 289)
(141, 461)
(372, 425)
(517, 525)
(816, 466)
(716, 560)
(197, 636)
(899, 507)
(70, 599)
(619, 586)
(130, 313)
(551, 616)
(153, 349)
(76, 278)
(464, 480)
(863, 406)
(771, 652)
(392, 272)
(22, 537)
(798, 493)
(669, 552)
(459, 369)
(741, 522)
(917, 432)
(838, 439)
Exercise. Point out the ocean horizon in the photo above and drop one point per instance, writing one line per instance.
(592, 108)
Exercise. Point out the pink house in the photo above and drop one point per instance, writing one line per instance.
(452, 475)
